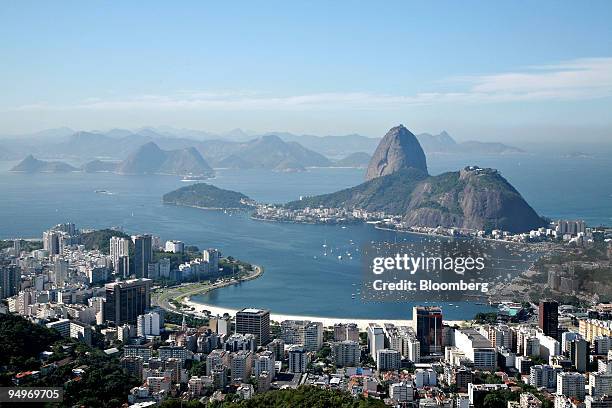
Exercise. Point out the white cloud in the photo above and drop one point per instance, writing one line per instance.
(567, 81)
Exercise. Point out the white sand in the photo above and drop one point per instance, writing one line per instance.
(327, 321)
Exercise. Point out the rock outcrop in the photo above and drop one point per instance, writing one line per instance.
(398, 150)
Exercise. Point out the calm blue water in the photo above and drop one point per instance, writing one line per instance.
(295, 282)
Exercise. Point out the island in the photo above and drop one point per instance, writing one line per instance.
(32, 165)
(209, 197)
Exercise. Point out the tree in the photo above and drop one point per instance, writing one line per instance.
(494, 400)
(303, 397)
(198, 368)
(324, 352)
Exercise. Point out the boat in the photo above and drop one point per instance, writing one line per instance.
(194, 178)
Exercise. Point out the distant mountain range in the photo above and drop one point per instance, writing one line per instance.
(236, 148)
(147, 159)
(444, 143)
(339, 146)
(271, 152)
(397, 183)
(150, 159)
(358, 160)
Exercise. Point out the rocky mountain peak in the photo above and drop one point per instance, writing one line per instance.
(398, 149)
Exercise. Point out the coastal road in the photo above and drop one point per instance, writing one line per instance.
(162, 297)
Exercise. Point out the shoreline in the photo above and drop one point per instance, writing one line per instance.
(431, 234)
(185, 291)
(204, 310)
(206, 208)
(201, 308)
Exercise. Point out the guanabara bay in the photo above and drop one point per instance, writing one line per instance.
(320, 204)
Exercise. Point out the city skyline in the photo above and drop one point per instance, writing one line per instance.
(517, 73)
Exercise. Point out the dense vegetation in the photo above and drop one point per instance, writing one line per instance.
(485, 318)
(206, 196)
(390, 194)
(103, 384)
(22, 342)
(177, 319)
(100, 239)
(303, 397)
(307, 397)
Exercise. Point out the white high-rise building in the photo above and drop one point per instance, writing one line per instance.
(148, 324)
(388, 360)
(571, 384)
(549, 346)
(500, 336)
(51, 242)
(376, 339)
(119, 247)
(304, 332)
(403, 339)
(567, 338)
(477, 349)
(60, 269)
(600, 384)
(176, 247)
(401, 392)
(264, 362)
(238, 341)
(602, 344)
(313, 336)
(221, 325)
(425, 378)
(346, 353)
(531, 346)
(241, 365)
(292, 331)
(212, 256)
(298, 359)
(544, 376)
(346, 331)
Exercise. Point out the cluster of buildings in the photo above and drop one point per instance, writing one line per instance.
(569, 231)
(316, 215)
(563, 357)
(64, 280)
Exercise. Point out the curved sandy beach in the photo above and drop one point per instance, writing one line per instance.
(204, 309)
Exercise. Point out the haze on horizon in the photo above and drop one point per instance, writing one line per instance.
(510, 72)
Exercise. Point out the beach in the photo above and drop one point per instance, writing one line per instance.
(204, 310)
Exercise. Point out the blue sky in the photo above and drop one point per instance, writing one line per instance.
(481, 70)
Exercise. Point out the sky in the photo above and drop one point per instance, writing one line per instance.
(502, 70)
